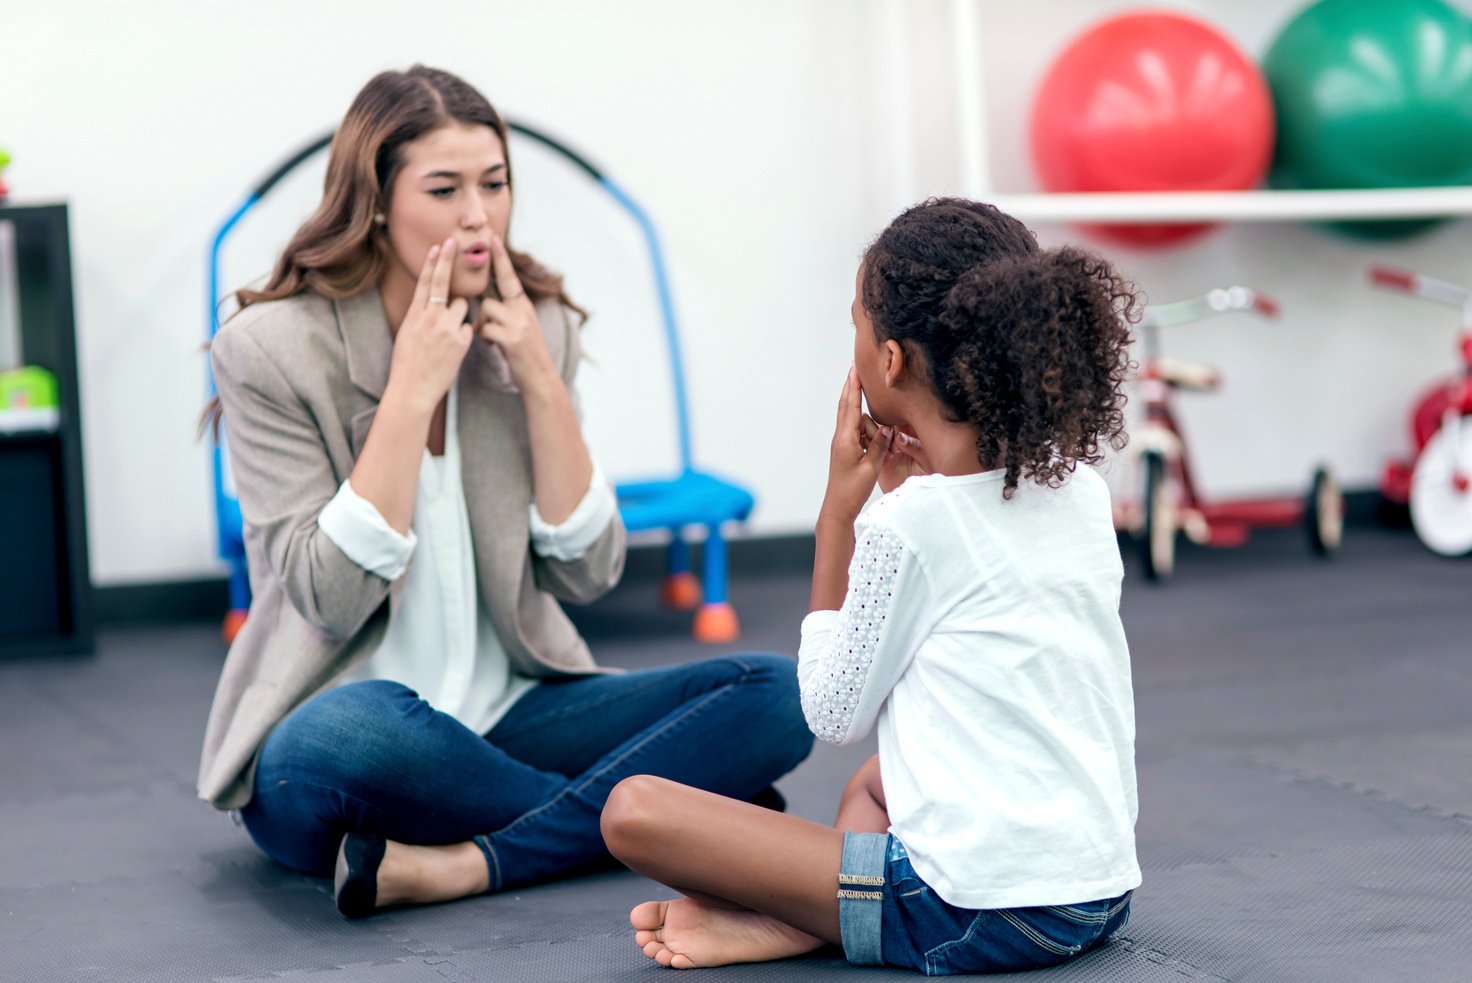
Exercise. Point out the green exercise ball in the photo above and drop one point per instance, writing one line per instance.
(1373, 94)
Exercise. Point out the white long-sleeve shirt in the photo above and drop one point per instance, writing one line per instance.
(440, 641)
(983, 637)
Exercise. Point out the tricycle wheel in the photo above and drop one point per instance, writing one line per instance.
(1158, 544)
(1441, 495)
(1324, 514)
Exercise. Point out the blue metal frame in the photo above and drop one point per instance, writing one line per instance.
(691, 498)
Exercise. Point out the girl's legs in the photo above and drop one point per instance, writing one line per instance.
(758, 885)
(372, 757)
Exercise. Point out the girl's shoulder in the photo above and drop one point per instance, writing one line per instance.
(940, 507)
(921, 493)
(905, 506)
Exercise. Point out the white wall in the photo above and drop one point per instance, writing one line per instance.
(767, 140)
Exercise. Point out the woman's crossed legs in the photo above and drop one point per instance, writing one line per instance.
(462, 814)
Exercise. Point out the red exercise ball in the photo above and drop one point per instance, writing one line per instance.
(1152, 102)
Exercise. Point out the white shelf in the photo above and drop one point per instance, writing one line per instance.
(1144, 208)
(43, 419)
(1141, 208)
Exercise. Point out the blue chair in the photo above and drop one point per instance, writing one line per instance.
(690, 499)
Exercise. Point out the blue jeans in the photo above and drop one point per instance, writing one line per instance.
(888, 914)
(373, 757)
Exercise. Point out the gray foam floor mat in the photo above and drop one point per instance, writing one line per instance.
(1305, 747)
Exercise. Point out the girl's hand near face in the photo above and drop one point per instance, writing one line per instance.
(433, 338)
(851, 469)
(894, 454)
(511, 323)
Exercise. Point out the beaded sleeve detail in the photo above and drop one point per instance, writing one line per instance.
(835, 688)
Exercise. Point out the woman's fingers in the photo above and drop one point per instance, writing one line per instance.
(492, 311)
(439, 278)
(498, 324)
(508, 284)
(457, 309)
(421, 286)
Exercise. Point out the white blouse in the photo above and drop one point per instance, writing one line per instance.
(983, 638)
(440, 641)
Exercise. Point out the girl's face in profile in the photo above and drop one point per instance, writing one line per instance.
(452, 185)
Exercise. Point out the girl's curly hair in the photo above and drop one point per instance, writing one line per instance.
(1030, 346)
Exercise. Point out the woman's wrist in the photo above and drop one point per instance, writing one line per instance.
(402, 400)
(538, 378)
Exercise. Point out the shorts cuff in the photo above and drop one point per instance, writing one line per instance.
(861, 896)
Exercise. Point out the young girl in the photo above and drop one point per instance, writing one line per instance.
(971, 612)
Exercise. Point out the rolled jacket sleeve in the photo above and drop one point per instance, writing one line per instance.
(572, 538)
(356, 526)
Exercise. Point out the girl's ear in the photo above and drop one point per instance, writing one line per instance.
(894, 363)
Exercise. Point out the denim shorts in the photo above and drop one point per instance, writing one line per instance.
(887, 914)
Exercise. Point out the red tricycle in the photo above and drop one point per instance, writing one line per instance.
(1436, 481)
(1169, 500)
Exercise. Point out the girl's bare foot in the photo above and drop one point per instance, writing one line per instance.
(686, 934)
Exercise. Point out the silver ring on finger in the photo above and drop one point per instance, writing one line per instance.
(439, 300)
(519, 293)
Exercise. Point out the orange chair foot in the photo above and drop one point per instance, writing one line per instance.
(680, 592)
(717, 623)
(234, 621)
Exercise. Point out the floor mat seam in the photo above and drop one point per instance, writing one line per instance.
(1318, 779)
(1153, 955)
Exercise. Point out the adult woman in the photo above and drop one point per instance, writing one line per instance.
(417, 498)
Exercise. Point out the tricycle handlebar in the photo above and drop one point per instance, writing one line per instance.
(1218, 301)
(1419, 285)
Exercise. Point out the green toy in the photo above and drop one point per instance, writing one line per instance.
(1373, 94)
(28, 387)
(4, 161)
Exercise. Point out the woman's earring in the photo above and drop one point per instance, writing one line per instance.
(379, 218)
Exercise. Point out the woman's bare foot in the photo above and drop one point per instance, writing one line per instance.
(420, 874)
(686, 934)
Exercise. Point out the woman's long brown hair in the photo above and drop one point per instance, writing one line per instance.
(340, 251)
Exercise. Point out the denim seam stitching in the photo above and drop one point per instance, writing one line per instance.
(1081, 917)
(1042, 941)
(941, 950)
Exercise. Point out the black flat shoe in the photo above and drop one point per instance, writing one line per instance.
(355, 884)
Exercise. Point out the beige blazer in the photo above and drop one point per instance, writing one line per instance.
(299, 382)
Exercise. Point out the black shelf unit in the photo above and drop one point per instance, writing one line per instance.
(45, 582)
